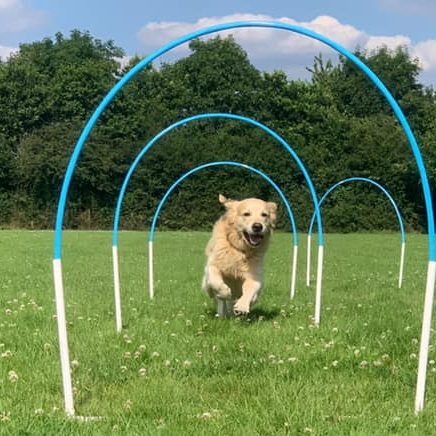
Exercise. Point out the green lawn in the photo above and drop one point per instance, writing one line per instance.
(177, 370)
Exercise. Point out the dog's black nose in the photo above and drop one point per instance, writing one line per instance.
(257, 227)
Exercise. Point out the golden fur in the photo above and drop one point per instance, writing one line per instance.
(235, 253)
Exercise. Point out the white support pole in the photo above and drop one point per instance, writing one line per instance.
(294, 271)
(63, 338)
(309, 246)
(400, 277)
(319, 285)
(425, 337)
(118, 320)
(150, 270)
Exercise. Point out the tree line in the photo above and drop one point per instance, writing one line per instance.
(336, 121)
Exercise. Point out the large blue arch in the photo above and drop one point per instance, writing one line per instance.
(234, 25)
(231, 164)
(366, 180)
(431, 271)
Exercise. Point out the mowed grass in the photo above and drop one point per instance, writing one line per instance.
(177, 370)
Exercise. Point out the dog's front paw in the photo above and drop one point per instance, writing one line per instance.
(241, 307)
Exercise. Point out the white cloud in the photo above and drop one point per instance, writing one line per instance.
(274, 49)
(5, 52)
(425, 51)
(391, 42)
(15, 16)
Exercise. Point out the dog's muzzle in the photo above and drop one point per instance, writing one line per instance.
(253, 238)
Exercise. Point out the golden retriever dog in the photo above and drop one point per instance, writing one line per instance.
(235, 253)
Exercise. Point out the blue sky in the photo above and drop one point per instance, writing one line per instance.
(142, 26)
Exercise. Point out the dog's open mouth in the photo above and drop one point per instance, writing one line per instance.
(254, 239)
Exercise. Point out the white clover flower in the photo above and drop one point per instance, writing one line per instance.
(412, 356)
(123, 368)
(356, 352)
(167, 362)
(8, 312)
(128, 404)
(335, 363)
(292, 359)
(47, 346)
(188, 322)
(386, 357)
(155, 354)
(39, 411)
(142, 348)
(335, 329)
(142, 372)
(377, 363)
(74, 364)
(363, 364)
(187, 363)
(12, 376)
(5, 416)
(414, 341)
(7, 354)
(127, 355)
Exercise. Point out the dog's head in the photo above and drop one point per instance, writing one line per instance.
(252, 218)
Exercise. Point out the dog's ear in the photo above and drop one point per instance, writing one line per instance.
(228, 204)
(222, 199)
(272, 209)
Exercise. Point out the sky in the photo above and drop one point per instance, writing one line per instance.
(140, 27)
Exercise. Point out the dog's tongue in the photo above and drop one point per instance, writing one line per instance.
(255, 239)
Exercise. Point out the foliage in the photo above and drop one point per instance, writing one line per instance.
(337, 122)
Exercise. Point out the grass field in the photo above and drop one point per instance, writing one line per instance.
(178, 370)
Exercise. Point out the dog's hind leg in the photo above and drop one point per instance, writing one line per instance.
(224, 308)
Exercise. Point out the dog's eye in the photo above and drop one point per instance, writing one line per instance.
(246, 214)
(264, 214)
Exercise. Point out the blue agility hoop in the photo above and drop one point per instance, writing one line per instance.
(391, 200)
(216, 164)
(57, 264)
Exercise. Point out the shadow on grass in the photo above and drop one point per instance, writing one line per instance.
(257, 314)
